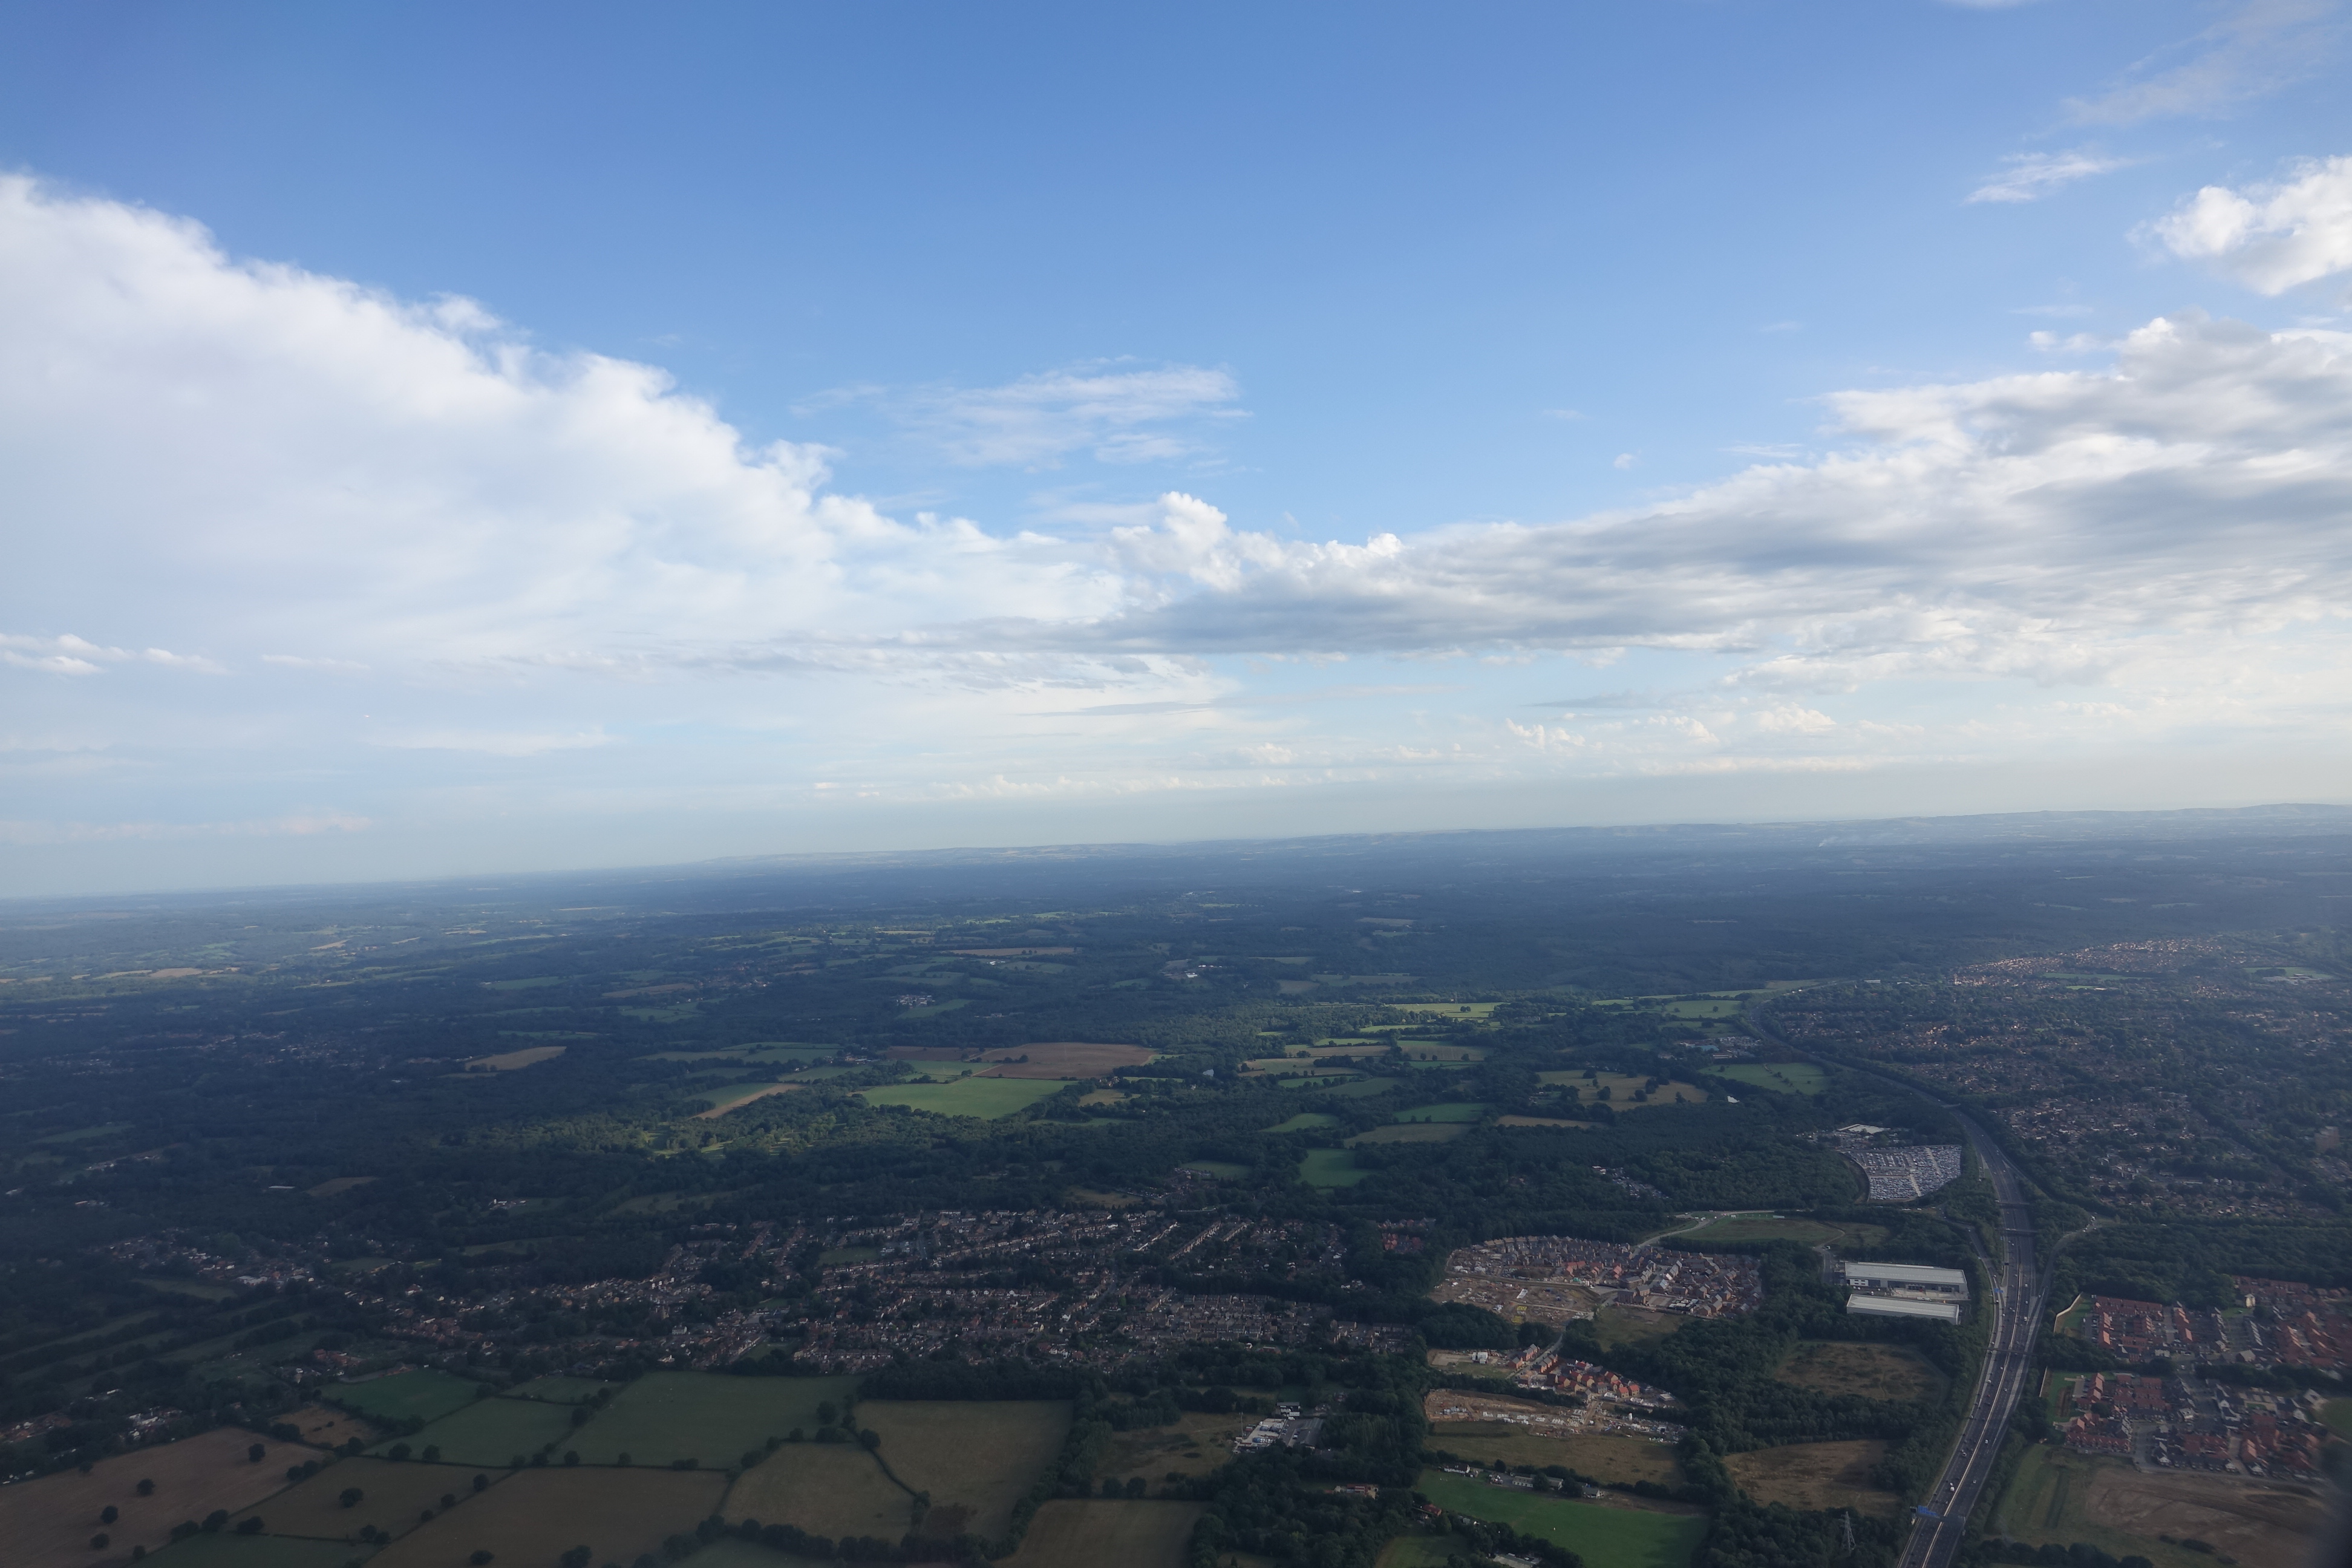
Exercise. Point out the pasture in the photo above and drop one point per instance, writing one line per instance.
(1071, 1534)
(250, 1552)
(1448, 1111)
(48, 1522)
(984, 1098)
(1478, 1012)
(1605, 1536)
(326, 1427)
(1781, 1078)
(425, 1395)
(1436, 1051)
(529, 1520)
(1331, 1168)
(1223, 1170)
(1305, 1122)
(1063, 1059)
(2063, 1496)
(1601, 1455)
(1816, 1476)
(825, 1489)
(515, 1061)
(396, 1494)
(668, 1416)
(558, 1389)
(1556, 1121)
(1622, 1087)
(1873, 1372)
(493, 1432)
(1413, 1133)
(976, 1458)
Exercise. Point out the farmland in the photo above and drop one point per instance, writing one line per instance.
(975, 1457)
(2066, 1497)
(515, 1061)
(49, 1522)
(529, 1517)
(1064, 1058)
(729, 1097)
(492, 1431)
(1782, 1078)
(1603, 1535)
(1874, 1372)
(1340, 1087)
(1071, 1534)
(253, 1552)
(825, 1489)
(664, 1416)
(406, 1396)
(984, 1098)
(558, 1389)
(394, 1494)
(1621, 1088)
(1413, 1133)
(1305, 1122)
(1449, 1110)
(1816, 1474)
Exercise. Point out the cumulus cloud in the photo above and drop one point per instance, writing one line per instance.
(322, 499)
(2256, 49)
(2270, 238)
(2029, 176)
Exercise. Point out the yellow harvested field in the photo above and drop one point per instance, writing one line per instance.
(756, 1092)
(976, 1458)
(49, 1522)
(512, 1061)
(1062, 1059)
(1067, 1534)
(529, 1519)
(394, 1495)
(825, 1489)
(1816, 1476)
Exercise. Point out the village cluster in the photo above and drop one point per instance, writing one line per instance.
(1549, 1279)
(2275, 1323)
(2193, 1424)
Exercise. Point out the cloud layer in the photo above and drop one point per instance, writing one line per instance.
(310, 510)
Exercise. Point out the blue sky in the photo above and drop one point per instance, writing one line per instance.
(456, 438)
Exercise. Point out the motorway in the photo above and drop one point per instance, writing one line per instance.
(2017, 1298)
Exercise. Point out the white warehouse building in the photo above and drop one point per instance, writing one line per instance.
(1909, 1278)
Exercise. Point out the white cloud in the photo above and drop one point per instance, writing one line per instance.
(1118, 415)
(502, 552)
(2259, 47)
(2029, 176)
(2270, 238)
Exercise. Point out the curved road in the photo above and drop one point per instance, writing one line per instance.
(2018, 1296)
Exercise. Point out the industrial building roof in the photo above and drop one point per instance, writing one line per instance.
(1907, 1274)
(1902, 1307)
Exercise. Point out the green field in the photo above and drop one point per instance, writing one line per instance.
(2337, 1415)
(251, 1551)
(492, 1432)
(420, 1395)
(558, 1389)
(1306, 1121)
(1450, 1111)
(392, 1497)
(1331, 1168)
(1223, 1169)
(1782, 1078)
(1475, 1010)
(668, 1416)
(1071, 1534)
(526, 1520)
(1339, 1088)
(1604, 1537)
(825, 1489)
(1413, 1133)
(976, 1458)
(984, 1098)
